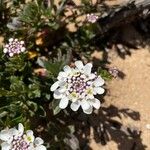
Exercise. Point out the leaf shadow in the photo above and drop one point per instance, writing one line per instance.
(107, 128)
(70, 130)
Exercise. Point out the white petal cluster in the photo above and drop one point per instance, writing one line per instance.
(14, 47)
(79, 86)
(17, 139)
(92, 18)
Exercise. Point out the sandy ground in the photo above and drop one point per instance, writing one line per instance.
(133, 93)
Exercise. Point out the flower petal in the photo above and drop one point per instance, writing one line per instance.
(62, 83)
(92, 76)
(79, 64)
(22, 42)
(57, 94)
(31, 146)
(75, 105)
(40, 147)
(90, 96)
(14, 132)
(85, 104)
(5, 50)
(5, 146)
(63, 103)
(99, 90)
(67, 69)
(29, 132)
(11, 54)
(62, 89)
(29, 137)
(95, 103)
(54, 86)
(62, 76)
(20, 129)
(11, 39)
(88, 111)
(98, 82)
(38, 141)
(23, 49)
(5, 135)
(87, 69)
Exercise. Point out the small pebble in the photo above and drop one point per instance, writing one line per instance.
(148, 126)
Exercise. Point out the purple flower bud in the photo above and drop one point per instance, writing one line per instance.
(114, 72)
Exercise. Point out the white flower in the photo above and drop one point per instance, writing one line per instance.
(16, 139)
(14, 47)
(92, 18)
(79, 86)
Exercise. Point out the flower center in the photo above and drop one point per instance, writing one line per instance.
(14, 47)
(19, 143)
(78, 85)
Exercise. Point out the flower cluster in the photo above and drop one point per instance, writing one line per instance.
(92, 18)
(79, 86)
(17, 139)
(14, 47)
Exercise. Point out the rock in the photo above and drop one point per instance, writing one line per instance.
(148, 126)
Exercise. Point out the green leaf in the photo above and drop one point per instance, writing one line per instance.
(1, 52)
(52, 68)
(17, 119)
(7, 93)
(56, 110)
(61, 7)
(34, 91)
(16, 63)
(47, 96)
(41, 111)
(17, 85)
(32, 105)
(3, 114)
(30, 13)
(104, 74)
(71, 128)
(55, 106)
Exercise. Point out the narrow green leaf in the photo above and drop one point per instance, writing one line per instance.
(55, 106)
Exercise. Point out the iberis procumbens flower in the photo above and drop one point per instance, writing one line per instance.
(92, 18)
(17, 139)
(14, 47)
(79, 86)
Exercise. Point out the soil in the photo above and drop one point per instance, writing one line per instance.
(131, 93)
